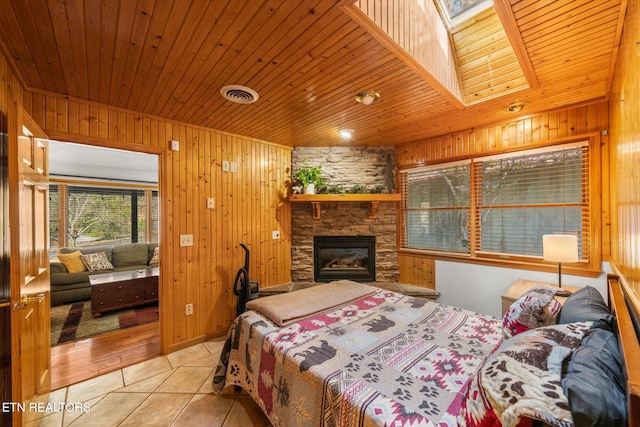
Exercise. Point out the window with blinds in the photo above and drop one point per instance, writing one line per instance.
(499, 206)
(436, 207)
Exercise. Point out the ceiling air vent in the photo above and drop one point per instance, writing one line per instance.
(239, 94)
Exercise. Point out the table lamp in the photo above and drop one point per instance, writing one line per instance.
(560, 248)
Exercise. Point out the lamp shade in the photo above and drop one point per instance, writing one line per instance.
(560, 247)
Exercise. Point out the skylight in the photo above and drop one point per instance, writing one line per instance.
(455, 11)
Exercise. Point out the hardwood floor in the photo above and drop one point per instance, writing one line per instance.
(80, 360)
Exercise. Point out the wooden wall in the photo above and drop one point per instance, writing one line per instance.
(418, 29)
(625, 154)
(524, 131)
(249, 204)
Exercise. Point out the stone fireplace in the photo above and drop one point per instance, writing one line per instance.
(345, 166)
(344, 257)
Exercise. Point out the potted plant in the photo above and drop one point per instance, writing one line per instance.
(309, 177)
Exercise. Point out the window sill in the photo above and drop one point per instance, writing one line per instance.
(575, 270)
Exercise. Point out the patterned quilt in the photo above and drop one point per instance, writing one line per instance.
(385, 360)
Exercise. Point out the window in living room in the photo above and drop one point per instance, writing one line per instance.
(101, 196)
(89, 216)
(499, 207)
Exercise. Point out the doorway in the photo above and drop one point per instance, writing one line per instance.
(88, 182)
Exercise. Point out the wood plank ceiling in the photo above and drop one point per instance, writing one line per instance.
(307, 59)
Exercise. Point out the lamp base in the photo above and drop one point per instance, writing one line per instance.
(561, 292)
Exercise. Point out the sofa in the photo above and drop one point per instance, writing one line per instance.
(67, 287)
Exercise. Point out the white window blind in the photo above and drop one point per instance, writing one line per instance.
(436, 213)
(521, 197)
(498, 206)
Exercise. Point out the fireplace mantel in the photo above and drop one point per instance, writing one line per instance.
(373, 200)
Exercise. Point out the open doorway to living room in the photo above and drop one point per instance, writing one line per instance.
(104, 222)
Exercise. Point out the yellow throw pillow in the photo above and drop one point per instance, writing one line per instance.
(72, 261)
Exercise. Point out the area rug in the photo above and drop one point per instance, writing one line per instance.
(74, 321)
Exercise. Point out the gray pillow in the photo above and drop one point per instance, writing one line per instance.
(586, 304)
(593, 381)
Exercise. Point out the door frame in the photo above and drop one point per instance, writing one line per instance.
(161, 154)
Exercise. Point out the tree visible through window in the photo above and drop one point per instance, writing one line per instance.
(498, 206)
(437, 210)
(90, 216)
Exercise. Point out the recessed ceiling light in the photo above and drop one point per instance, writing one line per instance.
(516, 107)
(346, 133)
(367, 98)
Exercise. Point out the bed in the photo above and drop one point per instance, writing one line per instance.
(348, 354)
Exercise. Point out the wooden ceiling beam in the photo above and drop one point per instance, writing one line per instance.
(450, 90)
(505, 13)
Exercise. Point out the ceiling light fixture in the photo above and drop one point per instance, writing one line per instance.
(367, 98)
(346, 133)
(516, 107)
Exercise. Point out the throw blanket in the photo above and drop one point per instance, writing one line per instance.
(287, 308)
(383, 359)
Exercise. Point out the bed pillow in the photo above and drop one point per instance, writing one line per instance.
(594, 381)
(72, 261)
(586, 304)
(535, 308)
(96, 261)
(521, 380)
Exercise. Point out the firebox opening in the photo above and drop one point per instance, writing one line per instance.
(344, 257)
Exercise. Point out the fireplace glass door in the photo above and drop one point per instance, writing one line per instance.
(344, 257)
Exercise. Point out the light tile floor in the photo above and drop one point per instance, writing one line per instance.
(173, 390)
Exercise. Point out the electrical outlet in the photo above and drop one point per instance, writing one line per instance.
(275, 235)
(211, 203)
(188, 309)
(186, 240)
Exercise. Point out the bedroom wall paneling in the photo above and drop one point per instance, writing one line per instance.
(417, 270)
(625, 155)
(249, 204)
(588, 121)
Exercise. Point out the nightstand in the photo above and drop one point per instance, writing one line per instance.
(516, 290)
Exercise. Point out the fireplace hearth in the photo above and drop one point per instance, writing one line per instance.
(344, 257)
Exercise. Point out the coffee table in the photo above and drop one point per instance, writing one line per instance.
(122, 289)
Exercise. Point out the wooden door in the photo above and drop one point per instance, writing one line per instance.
(29, 264)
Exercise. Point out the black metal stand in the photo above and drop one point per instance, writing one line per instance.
(244, 288)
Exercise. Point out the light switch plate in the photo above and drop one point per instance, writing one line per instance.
(175, 145)
(225, 166)
(211, 203)
(275, 235)
(186, 240)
